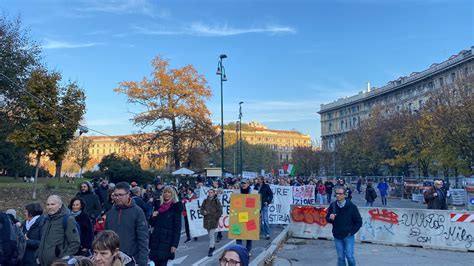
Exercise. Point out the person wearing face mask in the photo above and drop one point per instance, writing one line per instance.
(76, 206)
(107, 250)
(166, 223)
(57, 242)
(128, 221)
(211, 209)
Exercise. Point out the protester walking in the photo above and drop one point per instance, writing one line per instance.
(189, 197)
(107, 252)
(245, 189)
(57, 240)
(32, 229)
(87, 234)
(266, 197)
(321, 188)
(346, 222)
(329, 187)
(383, 190)
(166, 224)
(435, 197)
(370, 195)
(211, 209)
(128, 221)
(92, 206)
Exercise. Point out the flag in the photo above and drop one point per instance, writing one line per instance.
(289, 168)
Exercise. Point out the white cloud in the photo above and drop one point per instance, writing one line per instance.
(201, 29)
(120, 7)
(56, 44)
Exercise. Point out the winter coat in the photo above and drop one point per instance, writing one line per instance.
(87, 234)
(348, 220)
(156, 198)
(130, 225)
(437, 202)
(92, 205)
(370, 194)
(322, 189)
(102, 193)
(57, 242)
(266, 194)
(34, 238)
(213, 209)
(166, 232)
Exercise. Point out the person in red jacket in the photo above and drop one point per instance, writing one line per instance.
(190, 196)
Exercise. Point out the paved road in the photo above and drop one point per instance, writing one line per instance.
(195, 252)
(303, 252)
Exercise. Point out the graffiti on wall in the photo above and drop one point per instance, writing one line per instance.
(384, 215)
(309, 215)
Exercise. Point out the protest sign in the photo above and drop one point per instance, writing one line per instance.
(279, 209)
(244, 217)
(196, 219)
(304, 195)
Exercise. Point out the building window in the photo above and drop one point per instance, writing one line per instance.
(354, 121)
(441, 81)
(466, 72)
(103, 151)
(453, 76)
(342, 124)
(330, 127)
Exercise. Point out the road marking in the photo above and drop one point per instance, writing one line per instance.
(177, 261)
(197, 263)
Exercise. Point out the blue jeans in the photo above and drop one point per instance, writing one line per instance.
(248, 245)
(345, 249)
(264, 221)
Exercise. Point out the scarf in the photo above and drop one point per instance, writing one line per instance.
(75, 214)
(31, 222)
(165, 206)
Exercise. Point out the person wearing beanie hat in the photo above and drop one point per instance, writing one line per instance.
(233, 255)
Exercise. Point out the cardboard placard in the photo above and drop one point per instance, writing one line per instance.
(244, 217)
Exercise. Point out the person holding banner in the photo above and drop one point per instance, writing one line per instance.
(166, 223)
(266, 195)
(188, 198)
(211, 209)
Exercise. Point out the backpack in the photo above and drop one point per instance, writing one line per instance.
(12, 242)
(78, 227)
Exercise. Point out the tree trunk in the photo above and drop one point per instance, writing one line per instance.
(59, 164)
(35, 184)
(175, 145)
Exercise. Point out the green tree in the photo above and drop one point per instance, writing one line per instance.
(119, 169)
(174, 100)
(306, 160)
(72, 107)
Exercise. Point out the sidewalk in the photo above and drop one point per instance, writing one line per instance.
(323, 252)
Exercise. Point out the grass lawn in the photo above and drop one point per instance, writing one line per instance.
(15, 194)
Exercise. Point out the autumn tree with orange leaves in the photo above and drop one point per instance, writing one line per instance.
(174, 103)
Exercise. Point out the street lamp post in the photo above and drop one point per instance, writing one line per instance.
(221, 72)
(240, 139)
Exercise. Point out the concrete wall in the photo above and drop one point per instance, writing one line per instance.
(451, 230)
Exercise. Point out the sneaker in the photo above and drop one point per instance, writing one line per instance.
(187, 240)
(267, 237)
(218, 239)
(211, 250)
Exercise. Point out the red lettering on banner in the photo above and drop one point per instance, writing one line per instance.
(384, 216)
(309, 215)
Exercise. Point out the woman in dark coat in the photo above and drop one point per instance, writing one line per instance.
(87, 232)
(32, 228)
(370, 195)
(166, 223)
(211, 209)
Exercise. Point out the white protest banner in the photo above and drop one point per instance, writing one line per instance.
(279, 209)
(249, 175)
(304, 195)
(196, 219)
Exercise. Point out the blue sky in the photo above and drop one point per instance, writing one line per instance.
(285, 58)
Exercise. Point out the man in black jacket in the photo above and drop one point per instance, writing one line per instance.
(266, 196)
(92, 203)
(128, 221)
(346, 221)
